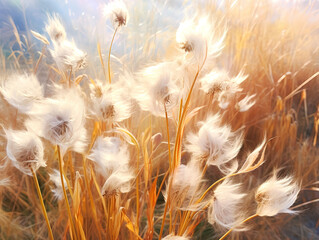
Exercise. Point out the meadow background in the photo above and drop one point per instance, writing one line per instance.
(275, 43)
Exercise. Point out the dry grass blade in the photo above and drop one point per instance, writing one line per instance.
(40, 37)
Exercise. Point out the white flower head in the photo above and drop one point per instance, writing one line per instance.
(196, 36)
(215, 82)
(117, 12)
(22, 91)
(225, 206)
(276, 196)
(55, 177)
(110, 154)
(61, 120)
(25, 150)
(68, 56)
(55, 29)
(172, 237)
(186, 184)
(226, 96)
(246, 103)
(158, 89)
(214, 144)
(118, 182)
(110, 102)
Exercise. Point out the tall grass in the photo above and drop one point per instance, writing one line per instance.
(164, 158)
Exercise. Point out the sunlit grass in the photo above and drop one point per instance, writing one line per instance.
(144, 151)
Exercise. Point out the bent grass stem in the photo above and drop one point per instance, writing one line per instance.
(109, 57)
(230, 230)
(64, 193)
(36, 182)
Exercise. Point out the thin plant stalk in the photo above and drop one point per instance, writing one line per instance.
(168, 140)
(163, 221)
(181, 122)
(42, 203)
(109, 57)
(137, 190)
(230, 230)
(214, 184)
(39, 60)
(64, 191)
(166, 207)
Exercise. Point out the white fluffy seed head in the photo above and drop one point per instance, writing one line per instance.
(117, 12)
(185, 185)
(276, 196)
(215, 82)
(118, 182)
(58, 121)
(214, 144)
(172, 237)
(55, 177)
(22, 91)
(110, 155)
(110, 102)
(55, 29)
(225, 208)
(68, 56)
(158, 86)
(233, 87)
(25, 150)
(196, 36)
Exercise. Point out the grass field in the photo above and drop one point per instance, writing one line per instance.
(159, 120)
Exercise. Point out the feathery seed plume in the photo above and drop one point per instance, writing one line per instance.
(276, 196)
(25, 150)
(22, 91)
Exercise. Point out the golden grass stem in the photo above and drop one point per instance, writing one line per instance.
(230, 230)
(109, 57)
(163, 220)
(213, 185)
(90, 193)
(42, 203)
(39, 60)
(179, 132)
(101, 58)
(305, 203)
(60, 158)
(137, 191)
(168, 140)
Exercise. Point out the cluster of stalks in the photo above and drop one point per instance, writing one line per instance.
(216, 138)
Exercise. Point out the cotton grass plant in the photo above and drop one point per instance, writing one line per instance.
(205, 130)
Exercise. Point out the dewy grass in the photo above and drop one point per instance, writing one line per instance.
(200, 126)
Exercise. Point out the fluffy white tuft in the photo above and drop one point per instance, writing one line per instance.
(55, 29)
(226, 96)
(118, 182)
(110, 154)
(25, 150)
(22, 91)
(185, 184)
(58, 121)
(117, 12)
(215, 82)
(225, 206)
(172, 237)
(68, 56)
(110, 102)
(158, 86)
(55, 177)
(197, 37)
(276, 196)
(214, 144)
